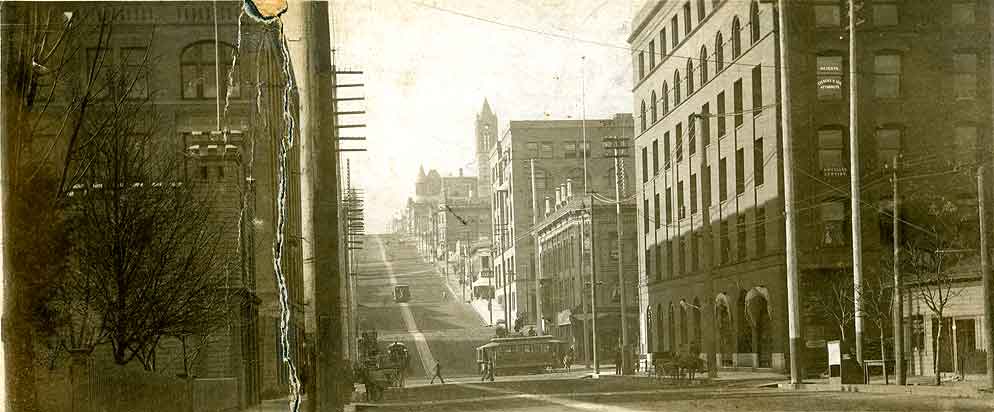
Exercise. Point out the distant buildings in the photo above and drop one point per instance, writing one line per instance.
(560, 151)
(710, 169)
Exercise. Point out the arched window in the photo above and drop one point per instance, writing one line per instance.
(719, 53)
(649, 328)
(754, 22)
(736, 38)
(642, 115)
(660, 335)
(199, 72)
(683, 324)
(676, 87)
(652, 107)
(671, 330)
(666, 98)
(690, 77)
(698, 328)
(703, 70)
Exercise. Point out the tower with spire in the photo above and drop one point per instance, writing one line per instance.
(486, 138)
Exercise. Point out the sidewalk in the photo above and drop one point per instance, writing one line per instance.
(971, 386)
(478, 305)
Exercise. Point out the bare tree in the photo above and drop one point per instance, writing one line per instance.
(45, 105)
(936, 286)
(832, 300)
(876, 294)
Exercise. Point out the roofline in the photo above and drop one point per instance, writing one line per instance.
(644, 21)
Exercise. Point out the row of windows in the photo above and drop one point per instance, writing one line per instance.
(670, 257)
(674, 33)
(704, 120)
(833, 146)
(886, 13)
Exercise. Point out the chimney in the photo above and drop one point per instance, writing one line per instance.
(559, 197)
(562, 188)
(569, 188)
(548, 205)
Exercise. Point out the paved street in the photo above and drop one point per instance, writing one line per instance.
(626, 395)
(433, 329)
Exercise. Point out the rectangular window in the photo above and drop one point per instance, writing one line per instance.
(645, 215)
(829, 77)
(655, 157)
(737, 102)
(547, 150)
(721, 114)
(652, 54)
(722, 180)
(706, 125)
(693, 193)
(666, 149)
(674, 31)
(830, 152)
(888, 145)
(706, 186)
(645, 165)
(833, 221)
(655, 211)
(659, 262)
(887, 75)
(740, 234)
(669, 257)
(758, 162)
(691, 138)
(669, 203)
(681, 211)
(569, 151)
(828, 15)
(740, 171)
(679, 142)
(662, 43)
(687, 19)
(965, 75)
(134, 58)
(694, 252)
(682, 254)
(757, 90)
(723, 243)
(885, 14)
(964, 13)
(532, 149)
(760, 231)
(700, 11)
(641, 65)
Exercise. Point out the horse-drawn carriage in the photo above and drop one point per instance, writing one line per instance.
(380, 371)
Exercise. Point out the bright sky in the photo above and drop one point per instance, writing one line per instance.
(427, 72)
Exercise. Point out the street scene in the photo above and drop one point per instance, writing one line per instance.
(530, 205)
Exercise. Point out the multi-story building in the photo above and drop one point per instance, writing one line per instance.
(227, 114)
(708, 139)
(560, 150)
(578, 244)
(486, 137)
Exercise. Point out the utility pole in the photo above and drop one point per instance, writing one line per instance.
(790, 217)
(985, 268)
(857, 239)
(898, 305)
(618, 146)
(593, 295)
(539, 322)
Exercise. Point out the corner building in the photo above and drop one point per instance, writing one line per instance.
(708, 141)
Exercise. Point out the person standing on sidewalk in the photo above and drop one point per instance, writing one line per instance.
(437, 374)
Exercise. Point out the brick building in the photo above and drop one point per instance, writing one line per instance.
(558, 152)
(232, 124)
(711, 172)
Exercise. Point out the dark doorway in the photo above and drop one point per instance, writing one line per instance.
(945, 346)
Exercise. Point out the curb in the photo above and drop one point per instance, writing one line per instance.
(936, 391)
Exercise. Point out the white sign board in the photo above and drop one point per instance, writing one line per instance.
(834, 354)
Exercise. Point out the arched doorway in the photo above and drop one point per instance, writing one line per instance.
(723, 320)
(743, 335)
(758, 310)
(683, 326)
(659, 328)
(670, 330)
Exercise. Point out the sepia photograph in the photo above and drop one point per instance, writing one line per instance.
(514, 205)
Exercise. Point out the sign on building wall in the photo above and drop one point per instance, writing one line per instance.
(829, 77)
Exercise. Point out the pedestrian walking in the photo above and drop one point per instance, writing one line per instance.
(438, 374)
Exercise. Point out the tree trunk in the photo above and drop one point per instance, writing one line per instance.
(883, 352)
(935, 354)
(18, 343)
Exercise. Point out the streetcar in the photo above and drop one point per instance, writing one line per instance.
(401, 293)
(522, 355)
